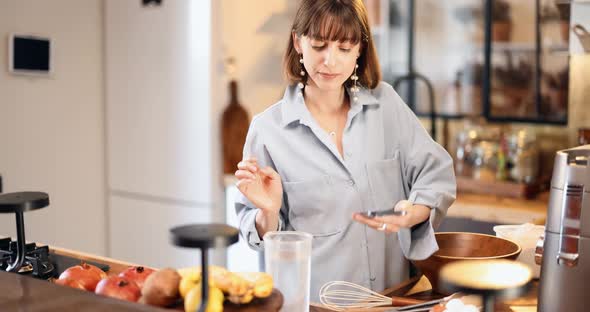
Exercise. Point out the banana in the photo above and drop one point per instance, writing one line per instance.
(240, 288)
(262, 282)
(214, 304)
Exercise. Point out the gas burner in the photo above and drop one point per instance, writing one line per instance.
(36, 262)
(40, 262)
(21, 258)
(18, 256)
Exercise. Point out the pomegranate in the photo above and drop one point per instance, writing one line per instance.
(87, 274)
(70, 283)
(137, 274)
(118, 287)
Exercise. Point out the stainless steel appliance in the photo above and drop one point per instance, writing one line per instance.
(566, 247)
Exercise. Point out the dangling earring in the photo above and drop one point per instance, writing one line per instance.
(354, 89)
(301, 85)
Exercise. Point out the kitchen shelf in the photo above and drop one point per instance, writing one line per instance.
(473, 61)
(572, 1)
(526, 47)
(546, 106)
(500, 210)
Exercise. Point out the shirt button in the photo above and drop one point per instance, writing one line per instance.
(373, 278)
(351, 182)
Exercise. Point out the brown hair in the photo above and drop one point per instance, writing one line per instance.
(334, 20)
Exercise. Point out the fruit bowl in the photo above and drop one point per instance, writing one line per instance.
(457, 246)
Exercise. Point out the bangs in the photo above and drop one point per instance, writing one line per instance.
(335, 23)
(343, 21)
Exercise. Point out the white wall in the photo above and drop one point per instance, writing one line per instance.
(52, 129)
(580, 15)
(579, 115)
(148, 125)
(255, 34)
(160, 121)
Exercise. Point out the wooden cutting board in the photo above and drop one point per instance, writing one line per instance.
(234, 128)
(272, 303)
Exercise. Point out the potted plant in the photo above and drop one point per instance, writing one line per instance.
(469, 83)
(512, 90)
(501, 22)
(555, 95)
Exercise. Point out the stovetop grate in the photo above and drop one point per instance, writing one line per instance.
(40, 262)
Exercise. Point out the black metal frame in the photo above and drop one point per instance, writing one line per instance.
(486, 87)
(412, 75)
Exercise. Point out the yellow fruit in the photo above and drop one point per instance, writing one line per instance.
(192, 272)
(187, 283)
(240, 288)
(262, 283)
(232, 284)
(196, 271)
(243, 299)
(192, 301)
(191, 277)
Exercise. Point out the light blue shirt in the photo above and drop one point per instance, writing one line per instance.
(387, 157)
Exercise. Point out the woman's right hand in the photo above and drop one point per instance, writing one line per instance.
(262, 187)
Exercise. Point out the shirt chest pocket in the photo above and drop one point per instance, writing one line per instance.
(386, 182)
(321, 207)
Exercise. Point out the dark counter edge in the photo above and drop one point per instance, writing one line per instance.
(24, 293)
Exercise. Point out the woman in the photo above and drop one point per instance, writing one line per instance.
(338, 143)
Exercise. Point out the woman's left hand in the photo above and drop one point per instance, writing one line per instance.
(390, 224)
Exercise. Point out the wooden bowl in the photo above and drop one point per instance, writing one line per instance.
(457, 246)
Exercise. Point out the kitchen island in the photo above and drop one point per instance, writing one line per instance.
(24, 293)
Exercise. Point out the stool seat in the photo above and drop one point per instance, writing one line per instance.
(23, 201)
(497, 278)
(204, 235)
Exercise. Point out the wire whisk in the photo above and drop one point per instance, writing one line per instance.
(341, 295)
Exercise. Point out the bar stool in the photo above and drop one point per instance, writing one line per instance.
(204, 236)
(18, 203)
(489, 278)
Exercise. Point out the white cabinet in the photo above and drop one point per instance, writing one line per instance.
(160, 127)
(139, 232)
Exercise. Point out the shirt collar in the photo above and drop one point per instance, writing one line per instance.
(293, 107)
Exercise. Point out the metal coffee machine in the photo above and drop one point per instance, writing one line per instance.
(565, 249)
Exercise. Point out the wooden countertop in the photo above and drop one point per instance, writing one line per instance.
(496, 209)
(115, 266)
(25, 293)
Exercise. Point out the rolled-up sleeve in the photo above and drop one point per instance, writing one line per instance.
(245, 210)
(429, 177)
